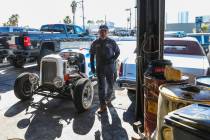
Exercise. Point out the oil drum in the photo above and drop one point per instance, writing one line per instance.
(203, 80)
(173, 97)
(153, 78)
(151, 93)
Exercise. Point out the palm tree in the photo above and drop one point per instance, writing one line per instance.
(100, 22)
(90, 22)
(74, 7)
(67, 20)
(13, 20)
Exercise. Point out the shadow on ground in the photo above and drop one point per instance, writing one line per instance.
(129, 114)
(46, 118)
(8, 76)
(112, 130)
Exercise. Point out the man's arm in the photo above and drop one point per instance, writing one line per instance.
(116, 50)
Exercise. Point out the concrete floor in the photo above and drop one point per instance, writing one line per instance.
(49, 119)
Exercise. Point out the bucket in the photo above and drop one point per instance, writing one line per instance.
(157, 67)
(153, 78)
(173, 97)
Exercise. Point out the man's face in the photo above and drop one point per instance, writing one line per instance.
(103, 33)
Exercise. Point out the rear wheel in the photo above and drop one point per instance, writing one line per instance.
(208, 72)
(23, 88)
(83, 95)
(17, 62)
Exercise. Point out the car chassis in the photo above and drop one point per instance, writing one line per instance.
(62, 75)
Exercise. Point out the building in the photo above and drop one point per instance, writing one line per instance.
(183, 17)
(186, 27)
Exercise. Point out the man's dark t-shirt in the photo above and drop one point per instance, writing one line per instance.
(106, 52)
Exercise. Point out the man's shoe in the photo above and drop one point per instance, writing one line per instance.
(102, 109)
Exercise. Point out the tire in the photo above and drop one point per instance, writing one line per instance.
(22, 87)
(83, 90)
(17, 62)
(133, 91)
(208, 72)
(43, 53)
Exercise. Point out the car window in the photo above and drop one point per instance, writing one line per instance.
(53, 28)
(31, 29)
(79, 30)
(70, 29)
(18, 30)
(182, 47)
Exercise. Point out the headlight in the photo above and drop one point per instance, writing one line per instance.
(58, 82)
(33, 78)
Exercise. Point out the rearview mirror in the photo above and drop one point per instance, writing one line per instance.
(86, 33)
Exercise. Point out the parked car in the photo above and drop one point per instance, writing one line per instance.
(122, 32)
(13, 29)
(186, 54)
(35, 45)
(203, 39)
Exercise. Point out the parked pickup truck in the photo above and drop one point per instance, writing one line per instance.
(20, 47)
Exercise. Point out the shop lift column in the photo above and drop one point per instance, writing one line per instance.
(150, 37)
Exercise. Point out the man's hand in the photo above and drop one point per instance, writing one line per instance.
(93, 70)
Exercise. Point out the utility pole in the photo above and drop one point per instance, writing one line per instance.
(129, 9)
(105, 20)
(83, 14)
(135, 17)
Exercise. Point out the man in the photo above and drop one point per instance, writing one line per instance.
(106, 51)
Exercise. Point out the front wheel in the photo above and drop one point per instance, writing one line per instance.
(23, 88)
(83, 95)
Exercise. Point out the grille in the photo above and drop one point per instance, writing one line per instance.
(49, 72)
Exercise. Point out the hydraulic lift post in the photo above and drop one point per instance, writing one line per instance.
(150, 37)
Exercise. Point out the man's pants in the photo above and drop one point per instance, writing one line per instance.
(108, 77)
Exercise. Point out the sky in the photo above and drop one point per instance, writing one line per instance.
(37, 12)
(194, 7)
